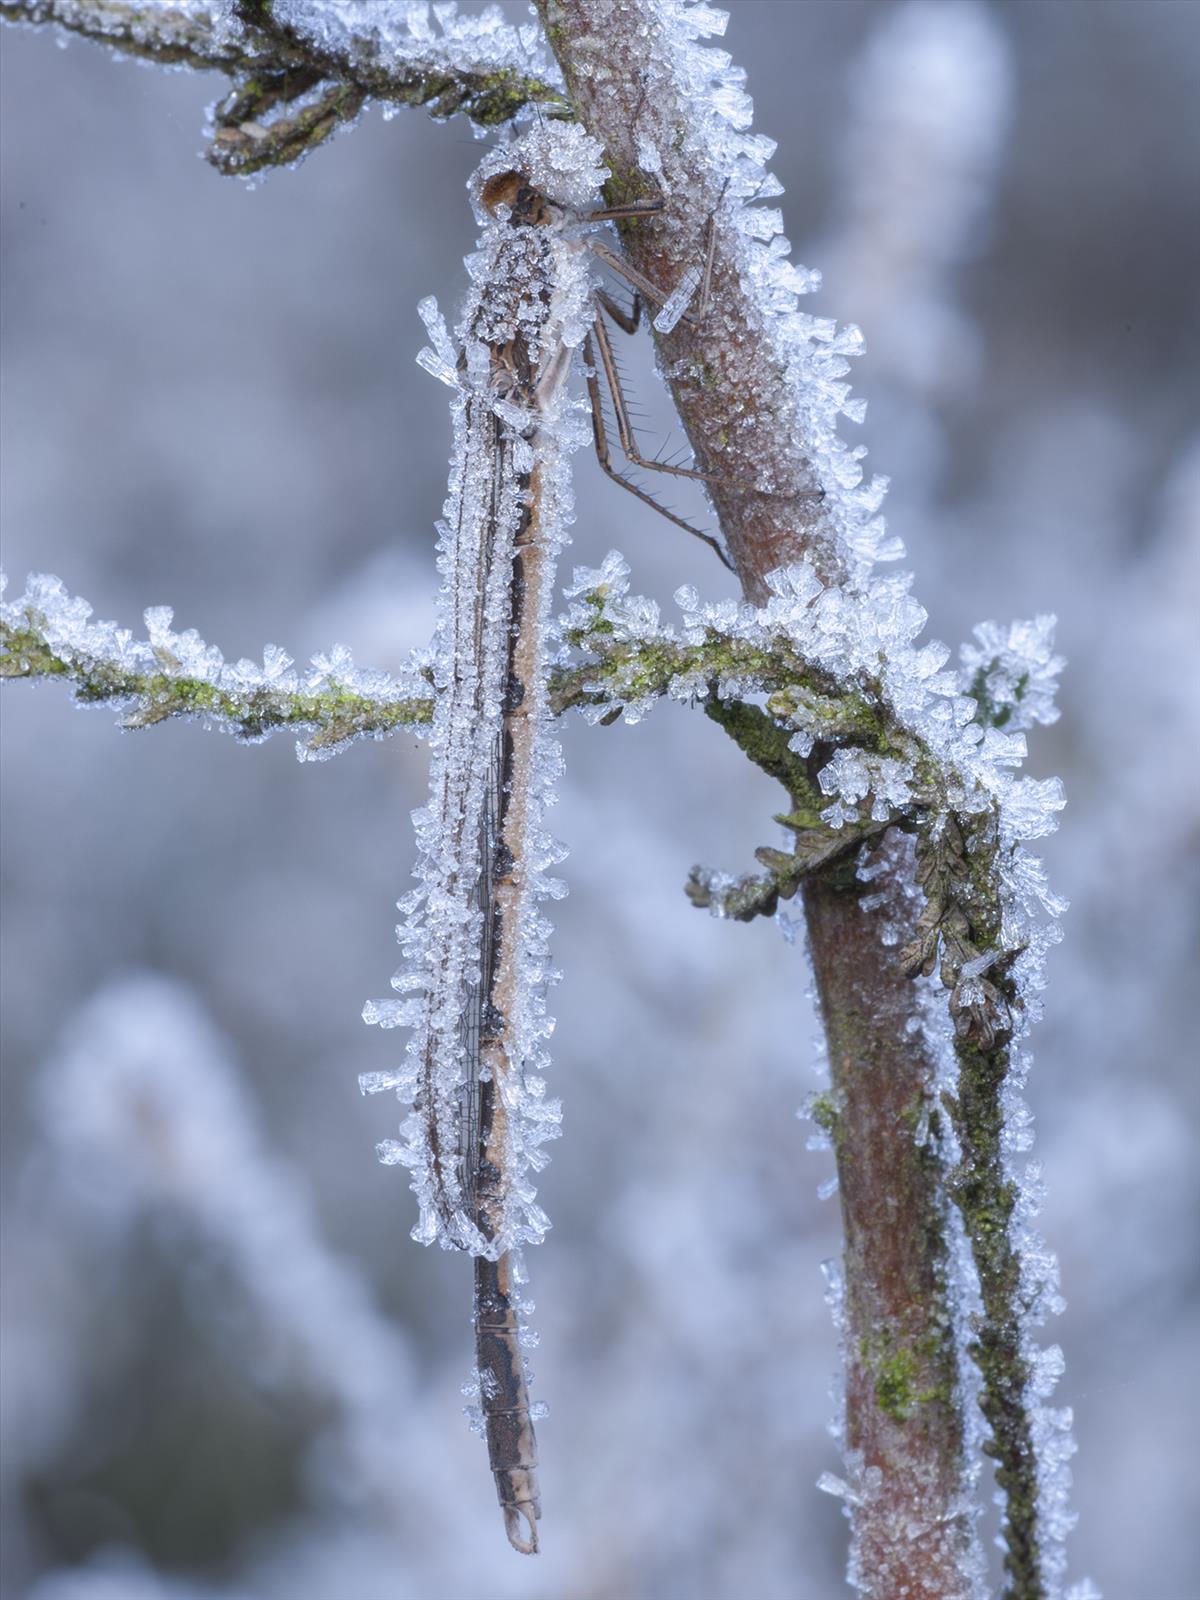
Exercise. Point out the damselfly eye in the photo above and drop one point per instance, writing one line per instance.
(502, 190)
(526, 205)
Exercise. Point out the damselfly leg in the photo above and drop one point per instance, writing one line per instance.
(681, 295)
(604, 455)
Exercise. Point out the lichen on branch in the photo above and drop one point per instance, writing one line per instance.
(863, 730)
(47, 634)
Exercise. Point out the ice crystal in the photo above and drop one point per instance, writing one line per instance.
(678, 300)
(855, 775)
(1013, 672)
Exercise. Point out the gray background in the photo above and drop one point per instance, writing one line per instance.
(210, 400)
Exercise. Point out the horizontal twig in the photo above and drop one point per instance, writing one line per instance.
(622, 672)
(290, 92)
(167, 36)
(46, 635)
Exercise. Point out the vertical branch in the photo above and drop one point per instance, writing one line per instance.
(749, 414)
(903, 1428)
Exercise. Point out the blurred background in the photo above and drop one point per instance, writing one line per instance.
(228, 1372)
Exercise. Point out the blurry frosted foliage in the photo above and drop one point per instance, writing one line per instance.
(930, 103)
(117, 1576)
(143, 1110)
(529, 285)
(703, 1288)
(40, 1361)
(1136, 866)
(1152, 684)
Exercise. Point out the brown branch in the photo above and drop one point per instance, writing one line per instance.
(272, 67)
(901, 1370)
(901, 1355)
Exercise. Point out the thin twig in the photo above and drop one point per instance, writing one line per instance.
(272, 66)
(336, 714)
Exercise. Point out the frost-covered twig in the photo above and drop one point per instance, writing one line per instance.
(298, 73)
(867, 731)
(46, 633)
(862, 727)
(170, 36)
(759, 384)
(759, 391)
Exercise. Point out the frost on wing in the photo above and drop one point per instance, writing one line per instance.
(481, 839)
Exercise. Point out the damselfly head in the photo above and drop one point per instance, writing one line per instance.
(526, 206)
(545, 176)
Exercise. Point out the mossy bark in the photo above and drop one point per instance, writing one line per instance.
(911, 1533)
